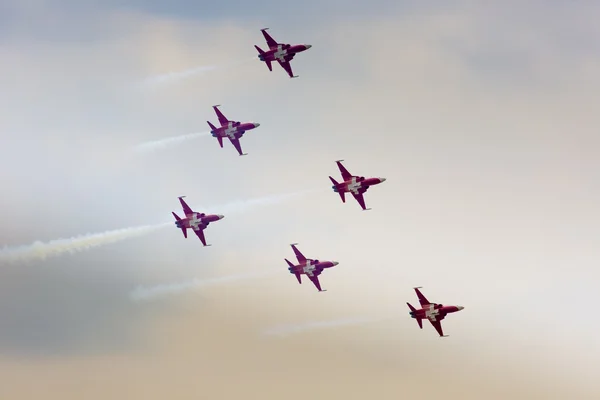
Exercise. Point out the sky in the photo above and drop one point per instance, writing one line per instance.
(482, 118)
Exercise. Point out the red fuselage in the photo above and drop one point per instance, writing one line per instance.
(282, 52)
(356, 184)
(436, 311)
(233, 129)
(310, 266)
(197, 220)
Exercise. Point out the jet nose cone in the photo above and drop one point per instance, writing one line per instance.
(335, 263)
(460, 308)
(221, 216)
(308, 46)
(382, 179)
(256, 124)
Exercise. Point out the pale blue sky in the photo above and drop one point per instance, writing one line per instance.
(483, 119)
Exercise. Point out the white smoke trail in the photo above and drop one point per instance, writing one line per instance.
(173, 77)
(142, 293)
(40, 251)
(242, 205)
(159, 144)
(177, 76)
(310, 326)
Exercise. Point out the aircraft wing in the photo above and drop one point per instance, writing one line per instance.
(314, 278)
(270, 41)
(345, 174)
(361, 200)
(437, 324)
(298, 254)
(422, 299)
(238, 146)
(186, 209)
(222, 118)
(287, 66)
(200, 233)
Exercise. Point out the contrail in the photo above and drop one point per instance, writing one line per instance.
(40, 250)
(173, 77)
(142, 293)
(241, 205)
(177, 76)
(159, 144)
(310, 326)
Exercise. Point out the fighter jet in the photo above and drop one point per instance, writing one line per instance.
(309, 267)
(435, 313)
(283, 53)
(194, 220)
(357, 185)
(233, 130)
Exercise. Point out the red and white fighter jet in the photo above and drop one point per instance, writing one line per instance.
(309, 267)
(434, 312)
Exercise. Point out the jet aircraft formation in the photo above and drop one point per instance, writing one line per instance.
(357, 185)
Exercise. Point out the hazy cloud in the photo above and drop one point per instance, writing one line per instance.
(482, 118)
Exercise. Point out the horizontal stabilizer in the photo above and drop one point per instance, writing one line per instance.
(176, 216)
(212, 127)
